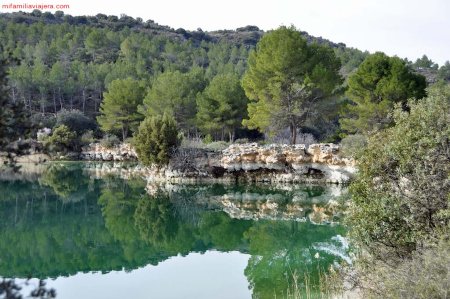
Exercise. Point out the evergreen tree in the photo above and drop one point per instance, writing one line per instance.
(13, 117)
(379, 82)
(221, 107)
(425, 62)
(444, 71)
(284, 77)
(156, 138)
(175, 93)
(119, 107)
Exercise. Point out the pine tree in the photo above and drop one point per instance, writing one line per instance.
(13, 117)
(175, 93)
(156, 138)
(222, 106)
(379, 82)
(285, 76)
(119, 110)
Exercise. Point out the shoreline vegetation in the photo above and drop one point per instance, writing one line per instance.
(246, 106)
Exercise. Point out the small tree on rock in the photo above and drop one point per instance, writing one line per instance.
(156, 138)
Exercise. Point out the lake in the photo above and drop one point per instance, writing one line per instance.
(92, 235)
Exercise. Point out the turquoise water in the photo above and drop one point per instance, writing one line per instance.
(96, 235)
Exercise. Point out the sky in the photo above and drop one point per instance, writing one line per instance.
(407, 28)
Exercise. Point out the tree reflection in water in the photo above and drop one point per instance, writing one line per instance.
(66, 222)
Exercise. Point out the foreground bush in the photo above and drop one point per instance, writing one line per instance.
(156, 139)
(351, 145)
(425, 275)
(400, 200)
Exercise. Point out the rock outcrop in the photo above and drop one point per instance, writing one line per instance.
(97, 152)
(275, 163)
(289, 163)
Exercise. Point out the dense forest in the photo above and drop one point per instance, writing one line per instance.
(62, 64)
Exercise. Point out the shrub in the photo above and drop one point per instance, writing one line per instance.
(241, 141)
(62, 139)
(425, 275)
(351, 145)
(75, 120)
(192, 143)
(43, 134)
(208, 139)
(87, 137)
(156, 138)
(109, 141)
(403, 183)
(217, 145)
(400, 203)
(40, 120)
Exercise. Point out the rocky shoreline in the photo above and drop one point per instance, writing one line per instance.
(274, 163)
(250, 162)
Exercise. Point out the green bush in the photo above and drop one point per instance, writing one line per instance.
(87, 137)
(403, 184)
(62, 139)
(400, 203)
(156, 138)
(217, 145)
(75, 120)
(351, 145)
(208, 139)
(109, 141)
(40, 120)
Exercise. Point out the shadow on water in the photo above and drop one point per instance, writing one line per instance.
(67, 221)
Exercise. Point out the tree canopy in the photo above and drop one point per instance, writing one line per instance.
(222, 106)
(175, 93)
(156, 138)
(379, 83)
(285, 76)
(120, 107)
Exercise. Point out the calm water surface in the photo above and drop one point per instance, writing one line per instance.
(91, 234)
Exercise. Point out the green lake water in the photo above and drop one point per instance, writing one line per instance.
(91, 234)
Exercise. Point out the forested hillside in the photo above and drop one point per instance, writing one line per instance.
(66, 62)
(62, 63)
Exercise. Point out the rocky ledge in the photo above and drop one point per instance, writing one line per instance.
(98, 152)
(291, 163)
(275, 163)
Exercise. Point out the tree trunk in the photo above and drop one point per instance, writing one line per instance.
(84, 99)
(42, 103)
(54, 101)
(293, 130)
(60, 98)
(13, 95)
(124, 132)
